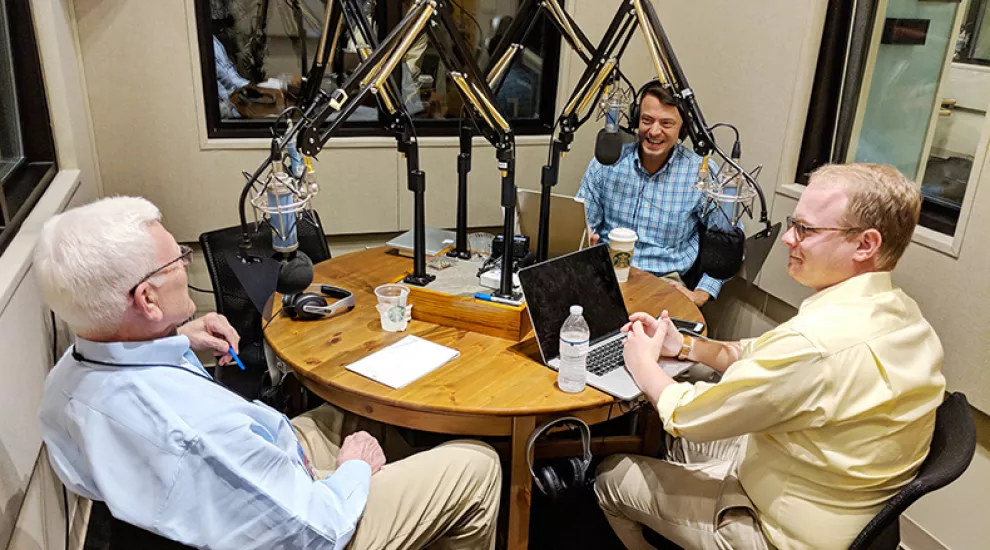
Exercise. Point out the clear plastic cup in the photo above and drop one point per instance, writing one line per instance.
(392, 308)
(393, 295)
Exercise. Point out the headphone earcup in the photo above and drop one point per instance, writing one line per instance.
(289, 304)
(309, 300)
(577, 467)
(551, 483)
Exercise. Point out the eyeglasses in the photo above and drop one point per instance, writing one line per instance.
(185, 256)
(801, 230)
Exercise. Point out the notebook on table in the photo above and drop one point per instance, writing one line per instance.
(404, 361)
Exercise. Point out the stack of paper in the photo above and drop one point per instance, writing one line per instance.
(403, 362)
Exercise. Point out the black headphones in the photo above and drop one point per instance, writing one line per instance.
(306, 305)
(634, 106)
(547, 480)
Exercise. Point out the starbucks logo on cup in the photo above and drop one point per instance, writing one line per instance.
(621, 259)
(396, 314)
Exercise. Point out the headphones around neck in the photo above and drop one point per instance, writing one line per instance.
(548, 481)
(634, 107)
(306, 305)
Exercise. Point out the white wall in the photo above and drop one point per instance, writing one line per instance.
(31, 511)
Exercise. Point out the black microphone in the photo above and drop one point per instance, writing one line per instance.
(608, 144)
(608, 147)
(295, 274)
(721, 252)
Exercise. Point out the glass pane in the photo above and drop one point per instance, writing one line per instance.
(481, 24)
(973, 44)
(11, 149)
(260, 58)
(904, 95)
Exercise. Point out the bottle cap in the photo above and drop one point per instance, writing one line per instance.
(577, 310)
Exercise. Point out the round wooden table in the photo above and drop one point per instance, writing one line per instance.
(496, 387)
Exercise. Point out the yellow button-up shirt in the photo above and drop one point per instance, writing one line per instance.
(839, 407)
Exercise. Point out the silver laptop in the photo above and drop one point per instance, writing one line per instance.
(568, 225)
(584, 278)
(436, 241)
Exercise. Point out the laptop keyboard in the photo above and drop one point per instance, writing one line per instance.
(606, 357)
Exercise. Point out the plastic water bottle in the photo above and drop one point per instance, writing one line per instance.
(572, 375)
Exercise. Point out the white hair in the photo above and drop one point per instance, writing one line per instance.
(88, 258)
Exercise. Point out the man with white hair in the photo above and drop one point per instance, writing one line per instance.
(814, 425)
(131, 417)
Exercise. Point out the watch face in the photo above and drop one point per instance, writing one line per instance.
(396, 314)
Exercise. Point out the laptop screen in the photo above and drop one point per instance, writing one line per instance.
(584, 278)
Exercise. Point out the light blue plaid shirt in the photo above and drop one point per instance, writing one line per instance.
(664, 209)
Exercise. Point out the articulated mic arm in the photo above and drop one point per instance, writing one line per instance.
(323, 113)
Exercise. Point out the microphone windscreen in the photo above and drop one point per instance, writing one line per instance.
(296, 274)
(608, 147)
(721, 252)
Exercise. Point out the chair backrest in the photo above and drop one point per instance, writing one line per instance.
(232, 300)
(952, 449)
(124, 536)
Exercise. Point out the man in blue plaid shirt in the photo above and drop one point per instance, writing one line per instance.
(651, 191)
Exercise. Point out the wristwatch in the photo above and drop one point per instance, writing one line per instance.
(687, 344)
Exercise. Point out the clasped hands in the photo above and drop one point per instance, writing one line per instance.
(648, 339)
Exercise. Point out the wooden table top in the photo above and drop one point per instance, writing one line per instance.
(492, 376)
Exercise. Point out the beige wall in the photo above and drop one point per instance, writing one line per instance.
(31, 510)
(753, 68)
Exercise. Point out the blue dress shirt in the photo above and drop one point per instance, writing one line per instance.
(663, 208)
(171, 451)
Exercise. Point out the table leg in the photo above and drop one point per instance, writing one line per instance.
(520, 484)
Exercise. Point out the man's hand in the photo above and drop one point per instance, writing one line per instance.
(212, 332)
(673, 340)
(593, 237)
(361, 446)
(697, 297)
(642, 351)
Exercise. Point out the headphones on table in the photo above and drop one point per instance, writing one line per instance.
(306, 305)
(634, 107)
(547, 479)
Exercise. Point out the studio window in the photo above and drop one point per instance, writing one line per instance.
(905, 83)
(27, 149)
(254, 54)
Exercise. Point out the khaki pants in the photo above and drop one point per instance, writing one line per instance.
(446, 497)
(692, 498)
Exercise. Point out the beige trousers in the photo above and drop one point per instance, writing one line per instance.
(692, 498)
(445, 498)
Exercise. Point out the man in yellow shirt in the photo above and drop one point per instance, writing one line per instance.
(815, 424)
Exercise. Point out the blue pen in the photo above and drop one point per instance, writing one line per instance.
(496, 299)
(237, 359)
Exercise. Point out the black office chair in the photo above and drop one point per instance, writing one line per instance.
(124, 536)
(953, 446)
(233, 301)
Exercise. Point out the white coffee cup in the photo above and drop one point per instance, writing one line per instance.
(621, 246)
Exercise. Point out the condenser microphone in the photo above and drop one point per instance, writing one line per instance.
(282, 213)
(608, 144)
